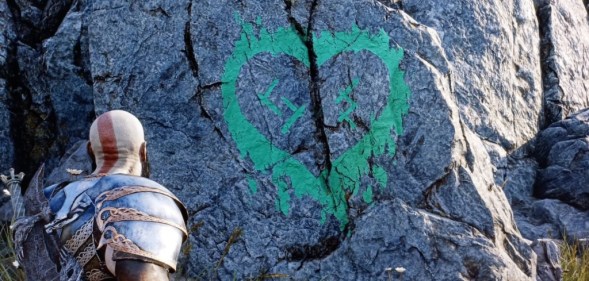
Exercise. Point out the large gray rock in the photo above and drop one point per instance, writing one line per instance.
(494, 49)
(50, 91)
(38, 20)
(548, 252)
(563, 152)
(393, 234)
(565, 48)
(67, 79)
(564, 219)
(308, 138)
(272, 141)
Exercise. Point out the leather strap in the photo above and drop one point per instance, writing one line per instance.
(129, 214)
(119, 192)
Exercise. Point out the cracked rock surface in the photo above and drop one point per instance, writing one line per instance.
(565, 48)
(318, 139)
(6, 38)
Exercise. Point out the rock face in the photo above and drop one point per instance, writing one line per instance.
(548, 260)
(483, 37)
(564, 51)
(316, 139)
(6, 38)
(563, 153)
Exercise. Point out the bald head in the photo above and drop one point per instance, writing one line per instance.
(117, 143)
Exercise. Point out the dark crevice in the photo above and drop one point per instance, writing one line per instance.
(203, 111)
(472, 268)
(53, 15)
(33, 130)
(23, 29)
(160, 11)
(32, 31)
(82, 52)
(199, 98)
(298, 27)
(360, 123)
(188, 48)
(211, 86)
(79, 62)
(469, 156)
(316, 102)
(313, 252)
(300, 149)
(543, 54)
(316, 108)
(428, 203)
(552, 109)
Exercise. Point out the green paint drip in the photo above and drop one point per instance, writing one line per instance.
(253, 185)
(367, 195)
(380, 175)
(265, 98)
(329, 189)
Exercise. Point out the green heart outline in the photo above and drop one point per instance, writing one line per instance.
(350, 166)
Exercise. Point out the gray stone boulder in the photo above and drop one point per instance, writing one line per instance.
(566, 221)
(259, 118)
(563, 153)
(565, 46)
(493, 47)
(394, 234)
(43, 80)
(548, 252)
(308, 139)
(267, 119)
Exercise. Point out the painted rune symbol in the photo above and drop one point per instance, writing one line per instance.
(344, 95)
(298, 111)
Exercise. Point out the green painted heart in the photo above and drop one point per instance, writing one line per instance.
(330, 187)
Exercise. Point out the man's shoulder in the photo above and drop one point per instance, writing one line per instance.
(57, 194)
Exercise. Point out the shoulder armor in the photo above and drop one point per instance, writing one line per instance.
(54, 196)
(126, 207)
(112, 182)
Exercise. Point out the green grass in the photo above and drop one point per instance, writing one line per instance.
(8, 271)
(574, 261)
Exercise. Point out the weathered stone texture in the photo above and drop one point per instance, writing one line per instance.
(321, 139)
(548, 252)
(6, 40)
(493, 48)
(565, 51)
(563, 152)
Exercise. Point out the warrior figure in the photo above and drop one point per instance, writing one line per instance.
(117, 223)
